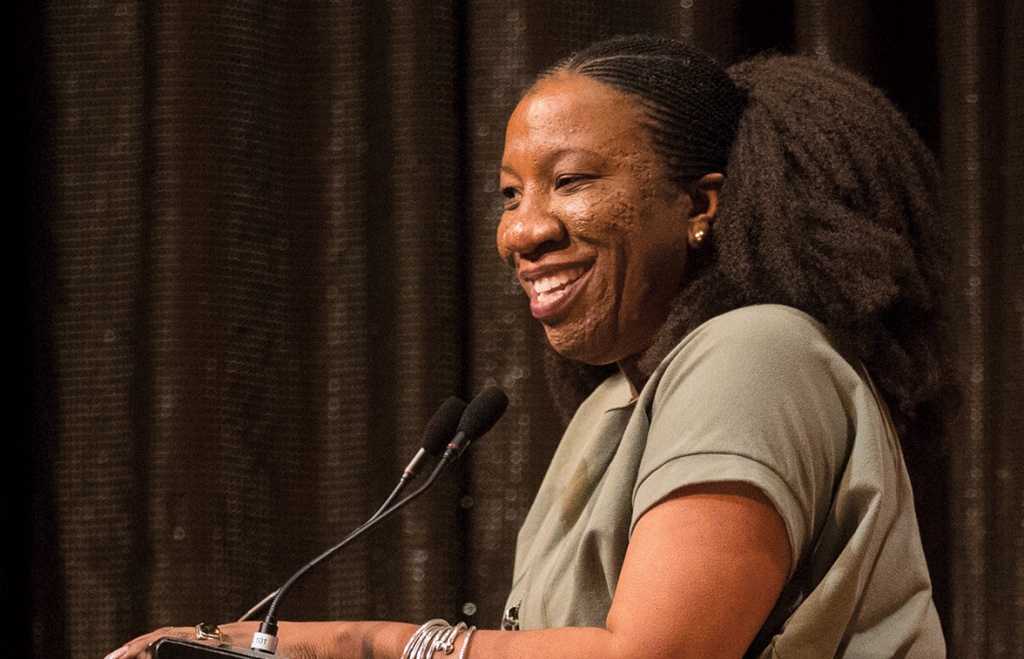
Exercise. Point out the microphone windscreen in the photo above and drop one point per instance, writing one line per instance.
(483, 412)
(443, 425)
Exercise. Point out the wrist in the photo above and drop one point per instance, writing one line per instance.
(376, 639)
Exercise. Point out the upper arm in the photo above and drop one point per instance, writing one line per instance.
(757, 396)
(703, 570)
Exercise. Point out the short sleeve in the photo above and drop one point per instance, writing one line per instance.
(756, 396)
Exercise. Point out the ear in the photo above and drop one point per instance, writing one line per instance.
(704, 194)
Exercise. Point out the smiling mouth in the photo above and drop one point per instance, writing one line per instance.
(548, 289)
(550, 294)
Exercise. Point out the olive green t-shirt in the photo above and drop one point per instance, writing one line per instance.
(759, 395)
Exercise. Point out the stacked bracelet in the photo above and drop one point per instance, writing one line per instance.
(436, 635)
(465, 643)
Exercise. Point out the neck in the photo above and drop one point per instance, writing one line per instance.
(637, 379)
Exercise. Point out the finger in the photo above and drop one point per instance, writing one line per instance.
(119, 653)
(139, 647)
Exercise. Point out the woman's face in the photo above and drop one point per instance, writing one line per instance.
(596, 232)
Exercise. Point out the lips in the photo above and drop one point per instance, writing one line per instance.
(551, 292)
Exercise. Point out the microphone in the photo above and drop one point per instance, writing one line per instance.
(436, 435)
(476, 420)
(480, 416)
(441, 426)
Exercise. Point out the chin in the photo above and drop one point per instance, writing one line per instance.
(579, 351)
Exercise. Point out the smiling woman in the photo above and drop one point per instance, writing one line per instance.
(752, 253)
(592, 224)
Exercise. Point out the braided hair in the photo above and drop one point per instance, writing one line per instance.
(829, 206)
(692, 108)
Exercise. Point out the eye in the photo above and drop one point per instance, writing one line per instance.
(570, 182)
(511, 196)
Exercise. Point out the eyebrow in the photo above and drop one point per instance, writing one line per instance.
(558, 153)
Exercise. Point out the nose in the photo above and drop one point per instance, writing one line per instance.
(528, 232)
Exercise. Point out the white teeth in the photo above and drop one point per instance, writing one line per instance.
(544, 298)
(547, 284)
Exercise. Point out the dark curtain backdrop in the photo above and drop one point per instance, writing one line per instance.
(254, 251)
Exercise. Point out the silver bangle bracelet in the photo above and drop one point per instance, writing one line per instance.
(433, 636)
(418, 641)
(465, 643)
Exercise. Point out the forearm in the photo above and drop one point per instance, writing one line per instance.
(562, 643)
(386, 640)
(329, 640)
(367, 640)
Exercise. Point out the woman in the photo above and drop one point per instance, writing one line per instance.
(740, 253)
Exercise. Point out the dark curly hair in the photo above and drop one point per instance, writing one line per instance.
(829, 206)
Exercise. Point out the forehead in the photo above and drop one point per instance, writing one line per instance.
(567, 111)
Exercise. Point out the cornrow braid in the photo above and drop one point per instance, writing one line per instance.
(692, 106)
(829, 206)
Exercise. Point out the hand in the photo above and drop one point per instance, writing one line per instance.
(296, 640)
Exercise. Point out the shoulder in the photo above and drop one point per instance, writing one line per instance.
(757, 395)
(772, 327)
(762, 350)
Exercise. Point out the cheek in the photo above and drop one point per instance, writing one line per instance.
(655, 254)
(604, 219)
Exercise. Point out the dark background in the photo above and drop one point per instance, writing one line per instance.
(253, 251)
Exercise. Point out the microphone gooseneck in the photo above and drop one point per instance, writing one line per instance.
(442, 426)
(435, 437)
(475, 420)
